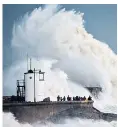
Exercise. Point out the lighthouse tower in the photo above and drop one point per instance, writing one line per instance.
(32, 78)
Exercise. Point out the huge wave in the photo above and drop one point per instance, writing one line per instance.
(58, 43)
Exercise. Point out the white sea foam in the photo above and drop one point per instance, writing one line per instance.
(10, 121)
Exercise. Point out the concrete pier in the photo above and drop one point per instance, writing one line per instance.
(32, 112)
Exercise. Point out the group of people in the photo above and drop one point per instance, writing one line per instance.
(77, 98)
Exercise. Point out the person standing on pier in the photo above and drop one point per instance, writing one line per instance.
(64, 98)
(58, 98)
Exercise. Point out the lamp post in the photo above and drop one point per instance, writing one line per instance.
(34, 86)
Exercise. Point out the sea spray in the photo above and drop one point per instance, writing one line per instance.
(9, 120)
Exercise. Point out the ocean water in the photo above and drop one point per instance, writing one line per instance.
(72, 58)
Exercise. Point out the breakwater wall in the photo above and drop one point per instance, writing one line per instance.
(56, 111)
(31, 112)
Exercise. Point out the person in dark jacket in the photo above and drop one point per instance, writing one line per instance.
(84, 98)
(68, 98)
(61, 99)
(76, 98)
(58, 98)
(89, 98)
(73, 98)
(64, 98)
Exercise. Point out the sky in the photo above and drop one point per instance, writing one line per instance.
(100, 21)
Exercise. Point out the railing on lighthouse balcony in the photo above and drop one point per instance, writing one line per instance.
(20, 90)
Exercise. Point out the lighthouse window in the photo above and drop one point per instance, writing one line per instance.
(30, 77)
(41, 77)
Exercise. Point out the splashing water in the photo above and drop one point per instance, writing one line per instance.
(11, 122)
(59, 45)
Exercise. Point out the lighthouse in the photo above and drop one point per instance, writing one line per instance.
(32, 79)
